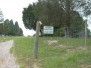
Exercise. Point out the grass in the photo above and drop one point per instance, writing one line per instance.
(23, 49)
(5, 38)
(54, 52)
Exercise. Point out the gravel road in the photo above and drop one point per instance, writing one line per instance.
(7, 60)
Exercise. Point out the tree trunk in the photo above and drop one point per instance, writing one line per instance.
(68, 32)
(68, 19)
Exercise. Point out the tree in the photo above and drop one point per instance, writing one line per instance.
(20, 33)
(74, 5)
(18, 30)
(29, 17)
(77, 24)
(1, 22)
(1, 28)
(57, 13)
(83, 6)
(1, 16)
(6, 27)
(50, 14)
(12, 29)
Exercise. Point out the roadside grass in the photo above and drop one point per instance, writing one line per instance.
(53, 52)
(5, 38)
(23, 50)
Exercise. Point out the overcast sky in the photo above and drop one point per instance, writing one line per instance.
(12, 9)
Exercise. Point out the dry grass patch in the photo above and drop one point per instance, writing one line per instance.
(35, 65)
(85, 66)
(50, 42)
(80, 48)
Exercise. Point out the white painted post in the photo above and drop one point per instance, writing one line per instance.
(36, 39)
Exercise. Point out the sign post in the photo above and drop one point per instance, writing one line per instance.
(85, 32)
(36, 39)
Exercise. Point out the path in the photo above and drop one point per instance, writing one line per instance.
(7, 60)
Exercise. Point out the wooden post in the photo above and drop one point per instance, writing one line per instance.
(36, 40)
(65, 33)
(85, 32)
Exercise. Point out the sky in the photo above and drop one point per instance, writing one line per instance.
(89, 22)
(12, 9)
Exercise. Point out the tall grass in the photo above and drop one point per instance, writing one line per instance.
(64, 53)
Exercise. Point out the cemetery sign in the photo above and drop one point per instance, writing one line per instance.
(48, 29)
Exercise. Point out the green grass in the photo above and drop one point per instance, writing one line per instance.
(23, 49)
(65, 53)
(5, 38)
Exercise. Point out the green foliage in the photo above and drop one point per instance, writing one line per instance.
(77, 24)
(1, 28)
(18, 31)
(58, 13)
(6, 27)
(29, 17)
(1, 16)
(9, 28)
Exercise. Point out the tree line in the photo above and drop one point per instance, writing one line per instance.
(62, 14)
(8, 28)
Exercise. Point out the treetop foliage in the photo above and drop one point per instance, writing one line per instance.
(11, 29)
(62, 14)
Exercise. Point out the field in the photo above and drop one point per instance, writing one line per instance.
(54, 52)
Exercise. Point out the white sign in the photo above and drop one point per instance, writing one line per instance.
(48, 29)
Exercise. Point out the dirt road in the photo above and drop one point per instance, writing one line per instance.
(7, 60)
